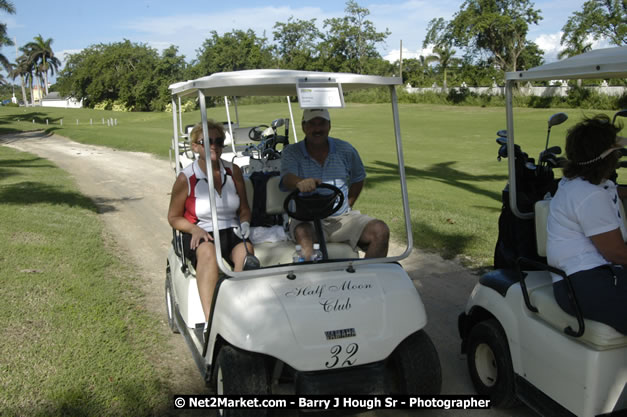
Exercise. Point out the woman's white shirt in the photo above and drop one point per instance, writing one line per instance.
(580, 210)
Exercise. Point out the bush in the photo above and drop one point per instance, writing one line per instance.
(103, 105)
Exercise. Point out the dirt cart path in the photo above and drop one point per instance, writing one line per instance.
(132, 192)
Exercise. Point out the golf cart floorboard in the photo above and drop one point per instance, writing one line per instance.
(539, 401)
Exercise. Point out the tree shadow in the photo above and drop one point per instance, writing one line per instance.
(29, 192)
(443, 172)
(447, 245)
(39, 124)
(128, 399)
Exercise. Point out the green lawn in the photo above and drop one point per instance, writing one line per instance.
(76, 338)
(454, 178)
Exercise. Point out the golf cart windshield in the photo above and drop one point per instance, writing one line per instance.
(600, 64)
(314, 89)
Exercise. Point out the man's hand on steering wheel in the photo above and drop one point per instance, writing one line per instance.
(308, 185)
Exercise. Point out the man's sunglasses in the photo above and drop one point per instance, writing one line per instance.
(217, 141)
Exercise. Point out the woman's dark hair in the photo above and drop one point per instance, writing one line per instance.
(585, 142)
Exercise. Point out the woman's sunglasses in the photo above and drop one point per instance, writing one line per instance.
(217, 142)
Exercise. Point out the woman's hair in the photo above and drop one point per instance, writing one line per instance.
(196, 134)
(585, 142)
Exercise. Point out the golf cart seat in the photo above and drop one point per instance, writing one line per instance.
(280, 252)
(599, 335)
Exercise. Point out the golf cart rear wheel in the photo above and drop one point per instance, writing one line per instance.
(490, 363)
(169, 301)
(417, 365)
(239, 372)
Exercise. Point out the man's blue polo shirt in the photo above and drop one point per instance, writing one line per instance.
(342, 168)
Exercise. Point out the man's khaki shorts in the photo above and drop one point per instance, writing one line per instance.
(345, 228)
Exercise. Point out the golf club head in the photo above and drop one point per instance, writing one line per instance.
(277, 123)
(251, 262)
(502, 133)
(621, 113)
(501, 140)
(557, 118)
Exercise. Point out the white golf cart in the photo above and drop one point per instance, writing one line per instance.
(520, 345)
(337, 326)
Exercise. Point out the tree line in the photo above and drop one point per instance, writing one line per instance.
(490, 35)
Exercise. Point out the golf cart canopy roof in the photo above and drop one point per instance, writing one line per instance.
(274, 82)
(600, 63)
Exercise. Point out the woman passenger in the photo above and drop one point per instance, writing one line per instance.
(586, 231)
(190, 211)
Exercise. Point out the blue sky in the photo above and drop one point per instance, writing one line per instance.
(77, 24)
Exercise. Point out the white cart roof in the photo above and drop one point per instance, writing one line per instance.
(600, 63)
(273, 82)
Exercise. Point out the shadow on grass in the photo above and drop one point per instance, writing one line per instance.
(448, 245)
(129, 400)
(29, 192)
(39, 124)
(442, 172)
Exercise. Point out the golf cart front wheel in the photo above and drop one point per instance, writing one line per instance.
(490, 363)
(169, 301)
(239, 372)
(417, 365)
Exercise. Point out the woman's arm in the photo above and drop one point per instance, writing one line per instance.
(611, 246)
(177, 209)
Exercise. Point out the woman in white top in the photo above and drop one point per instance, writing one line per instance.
(586, 231)
(190, 212)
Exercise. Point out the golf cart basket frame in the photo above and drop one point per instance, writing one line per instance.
(284, 83)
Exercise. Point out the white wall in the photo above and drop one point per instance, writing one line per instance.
(69, 103)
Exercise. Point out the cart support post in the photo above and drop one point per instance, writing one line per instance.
(212, 190)
(401, 171)
(511, 156)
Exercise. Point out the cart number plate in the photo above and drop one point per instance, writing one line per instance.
(340, 334)
(342, 356)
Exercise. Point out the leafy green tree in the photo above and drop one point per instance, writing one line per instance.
(439, 36)
(350, 42)
(170, 68)
(599, 19)
(498, 27)
(297, 44)
(5, 6)
(127, 73)
(233, 51)
(417, 72)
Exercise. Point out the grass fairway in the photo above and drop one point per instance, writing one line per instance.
(454, 178)
(76, 339)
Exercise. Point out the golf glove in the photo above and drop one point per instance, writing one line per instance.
(242, 231)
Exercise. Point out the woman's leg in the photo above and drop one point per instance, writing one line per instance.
(206, 275)
(238, 254)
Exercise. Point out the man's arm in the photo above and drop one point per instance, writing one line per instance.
(354, 191)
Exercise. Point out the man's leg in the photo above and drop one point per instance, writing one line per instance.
(375, 239)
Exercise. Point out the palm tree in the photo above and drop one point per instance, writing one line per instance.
(442, 54)
(20, 68)
(8, 7)
(40, 53)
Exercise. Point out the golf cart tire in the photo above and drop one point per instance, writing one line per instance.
(490, 364)
(239, 372)
(169, 302)
(417, 366)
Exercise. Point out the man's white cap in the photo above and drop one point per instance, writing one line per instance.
(309, 114)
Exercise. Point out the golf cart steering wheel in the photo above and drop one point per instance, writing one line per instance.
(314, 206)
(256, 132)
